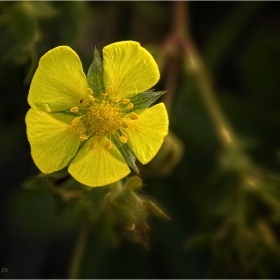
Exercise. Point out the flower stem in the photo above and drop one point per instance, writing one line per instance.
(78, 254)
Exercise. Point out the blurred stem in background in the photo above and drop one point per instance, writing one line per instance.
(78, 253)
(243, 236)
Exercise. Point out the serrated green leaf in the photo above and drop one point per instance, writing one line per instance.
(95, 75)
(126, 152)
(145, 99)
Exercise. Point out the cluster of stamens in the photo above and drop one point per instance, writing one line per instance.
(102, 118)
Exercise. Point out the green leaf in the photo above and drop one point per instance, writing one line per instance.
(145, 99)
(126, 152)
(95, 75)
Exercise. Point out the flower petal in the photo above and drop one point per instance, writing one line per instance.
(129, 69)
(96, 166)
(52, 143)
(146, 134)
(59, 82)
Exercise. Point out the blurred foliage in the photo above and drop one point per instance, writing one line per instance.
(222, 196)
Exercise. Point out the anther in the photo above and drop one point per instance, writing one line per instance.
(80, 130)
(104, 92)
(89, 91)
(110, 89)
(72, 126)
(133, 116)
(125, 101)
(109, 145)
(75, 121)
(74, 110)
(91, 98)
(83, 137)
(129, 106)
(124, 125)
(115, 99)
(125, 135)
(123, 139)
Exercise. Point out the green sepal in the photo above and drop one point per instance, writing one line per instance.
(145, 99)
(95, 75)
(126, 152)
(134, 183)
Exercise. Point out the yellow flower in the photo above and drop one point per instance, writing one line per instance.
(95, 124)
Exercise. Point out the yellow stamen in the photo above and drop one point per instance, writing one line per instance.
(91, 98)
(125, 101)
(133, 116)
(123, 139)
(129, 106)
(109, 145)
(124, 125)
(104, 92)
(80, 130)
(110, 89)
(75, 121)
(89, 91)
(125, 135)
(103, 118)
(74, 110)
(115, 99)
(72, 126)
(83, 137)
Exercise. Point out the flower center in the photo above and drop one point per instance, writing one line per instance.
(103, 118)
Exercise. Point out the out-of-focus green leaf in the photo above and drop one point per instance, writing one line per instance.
(40, 9)
(23, 26)
(32, 213)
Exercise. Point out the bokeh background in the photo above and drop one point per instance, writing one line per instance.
(219, 62)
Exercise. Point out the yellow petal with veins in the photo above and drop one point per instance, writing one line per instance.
(96, 165)
(59, 82)
(53, 143)
(129, 69)
(146, 134)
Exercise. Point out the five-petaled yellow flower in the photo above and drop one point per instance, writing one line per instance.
(68, 125)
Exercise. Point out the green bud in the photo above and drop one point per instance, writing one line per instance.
(134, 183)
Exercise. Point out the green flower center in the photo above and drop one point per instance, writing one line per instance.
(103, 118)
